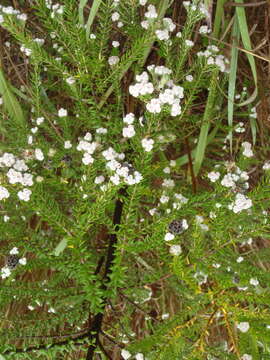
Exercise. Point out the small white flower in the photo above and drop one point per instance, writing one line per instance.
(113, 60)
(115, 44)
(189, 78)
(115, 16)
(51, 310)
(151, 13)
(30, 307)
(246, 357)
(240, 259)
(169, 183)
(147, 144)
(99, 179)
(62, 112)
(14, 251)
(145, 24)
(129, 119)
(162, 34)
(165, 316)
(6, 218)
(128, 131)
(143, 2)
(70, 80)
(125, 354)
(87, 159)
(164, 199)
(39, 155)
(254, 281)
(40, 120)
(154, 106)
(24, 194)
(189, 43)
(175, 250)
(22, 261)
(92, 36)
(139, 356)
(5, 272)
(101, 131)
(67, 145)
(4, 193)
(169, 236)
(213, 176)
(243, 326)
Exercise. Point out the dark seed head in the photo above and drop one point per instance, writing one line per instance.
(177, 226)
(12, 261)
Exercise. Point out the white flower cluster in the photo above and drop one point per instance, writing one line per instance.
(168, 27)
(266, 165)
(199, 8)
(240, 128)
(243, 326)
(147, 144)
(16, 174)
(253, 113)
(129, 130)
(247, 149)
(116, 17)
(213, 58)
(240, 203)
(213, 176)
(231, 179)
(6, 270)
(56, 9)
(201, 277)
(9, 10)
(169, 93)
(25, 50)
(88, 147)
(113, 60)
(124, 172)
(126, 355)
(199, 221)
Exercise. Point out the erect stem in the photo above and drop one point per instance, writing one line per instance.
(95, 329)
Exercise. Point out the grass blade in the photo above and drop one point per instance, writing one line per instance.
(242, 20)
(232, 77)
(10, 102)
(91, 17)
(202, 143)
(81, 7)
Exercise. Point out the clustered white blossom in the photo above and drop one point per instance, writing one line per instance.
(234, 176)
(240, 203)
(123, 172)
(147, 144)
(6, 271)
(243, 326)
(247, 149)
(240, 128)
(56, 9)
(199, 221)
(213, 58)
(88, 147)
(201, 277)
(113, 60)
(168, 27)
(16, 174)
(9, 10)
(169, 94)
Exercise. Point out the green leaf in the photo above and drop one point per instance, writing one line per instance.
(10, 102)
(91, 17)
(60, 247)
(232, 76)
(81, 7)
(242, 20)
